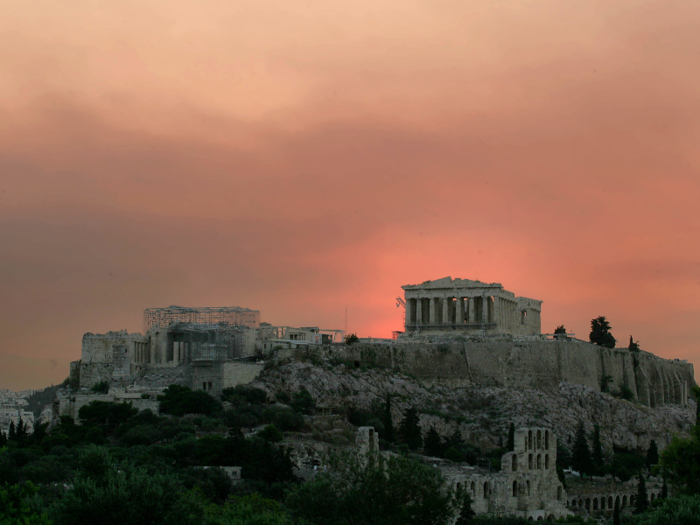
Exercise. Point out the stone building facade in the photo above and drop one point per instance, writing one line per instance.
(527, 485)
(463, 306)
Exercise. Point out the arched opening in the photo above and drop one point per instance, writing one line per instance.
(528, 486)
(515, 463)
(515, 488)
(540, 518)
(473, 487)
(653, 496)
(539, 439)
(529, 439)
(486, 489)
(617, 501)
(595, 503)
(624, 501)
(459, 487)
(588, 503)
(529, 462)
(560, 492)
(546, 439)
(546, 461)
(539, 461)
(571, 503)
(550, 517)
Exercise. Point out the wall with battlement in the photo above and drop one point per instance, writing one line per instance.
(529, 364)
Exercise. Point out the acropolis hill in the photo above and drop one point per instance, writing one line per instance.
(459, 333)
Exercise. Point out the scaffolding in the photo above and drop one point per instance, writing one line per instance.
(222, 316)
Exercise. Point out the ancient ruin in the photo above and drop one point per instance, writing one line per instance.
(463, 306)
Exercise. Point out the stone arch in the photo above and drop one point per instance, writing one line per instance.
(539, 439)
(515, 488)
(529, 439)
(459, 486)
(571, 503)
(539, 461)
(652, 497)
(515, 463)
(529, 461)
(530, 519)
(550, 517)
(624, 501)
(595, 503)
(546, 461)
(588, 503)
(560, 493)
(486, 489)
(546, 439)
(610, 502)
(617, 501)
(540, 518)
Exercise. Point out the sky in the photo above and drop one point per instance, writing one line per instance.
(304, 158)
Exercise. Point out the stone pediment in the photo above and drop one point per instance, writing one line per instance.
(448, 282)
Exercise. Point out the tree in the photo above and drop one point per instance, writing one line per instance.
(642, 502)
(677, 510)
(600, 333)
(616, 512)
(12, 434)
(397, 490)
(271, 434)
(387, 421)
(303, 402)
(511, 437)
(560, 330)
(696, 393)
(180, 400)
(597, 456)
(351, 339)
(466, 513)
(409, 429)
(652, 455)
(681, 463)
(581, 455)
(633, 347)
(433, 445)
(16, 506)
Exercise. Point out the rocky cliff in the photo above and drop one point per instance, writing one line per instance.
(482, 413)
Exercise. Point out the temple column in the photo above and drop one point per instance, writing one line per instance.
(445, 311)
(419, 311)
(409, 312)
(152, 356)
(432, 310)
(496, 306)
(472, 309)
(459, 313)
(484, 310)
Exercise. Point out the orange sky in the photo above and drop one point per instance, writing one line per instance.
(298, 158)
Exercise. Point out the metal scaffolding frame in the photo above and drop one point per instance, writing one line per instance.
(223, 316)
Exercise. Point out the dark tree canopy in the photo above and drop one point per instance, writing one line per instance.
(634, 346)
(409, 429)
(560, 329)
(433, 445)
(600, 333)
(642, 502)
(652, 455)
(387, 421)
(581, 456)
(180, 400)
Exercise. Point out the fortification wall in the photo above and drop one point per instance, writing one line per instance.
(532, 364)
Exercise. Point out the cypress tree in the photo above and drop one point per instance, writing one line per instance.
(410, 430)
(3, 439)
(597, 457)
(642, 502)
(433, 444)
(616, 512)
(581, 456)
(664, 490)
(511, 437)
(652, 455)
(13, 434)
(388, 423)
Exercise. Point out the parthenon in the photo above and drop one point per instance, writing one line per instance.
(464, 306)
